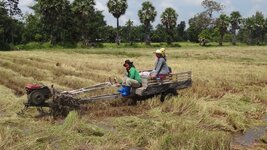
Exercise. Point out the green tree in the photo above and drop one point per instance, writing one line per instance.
(205, 36)
(57, 20)
(211, 6)
(159, 34)
(96, 29)
(255, 28)
(198, 23)
(147, 15)
(13, 10)
(169, 19)
(117, 8)
(109, 34)
(222, 24)
(12, 7)
(249, 27)
(203, 20)
(4, 20)
(33, 29)
(181, 34)
(83, 11)
(129, 27)
(138, 33)
(235, 21)
(10, 27)
(260, 27)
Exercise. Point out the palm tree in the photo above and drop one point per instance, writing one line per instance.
(117, 8)
(235, 20)
(255, 27)
(169, 19)
(249, 26)
(147, 15)
(129, 25)
(222, 24)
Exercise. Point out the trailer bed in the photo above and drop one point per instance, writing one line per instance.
(175, 81)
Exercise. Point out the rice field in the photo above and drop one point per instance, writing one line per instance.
(228, 97)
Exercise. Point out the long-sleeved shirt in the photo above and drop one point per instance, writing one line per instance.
(134, 74)
(161, 63)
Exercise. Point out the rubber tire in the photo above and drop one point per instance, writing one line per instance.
(131, 102)
(168, 94)
(36, 94)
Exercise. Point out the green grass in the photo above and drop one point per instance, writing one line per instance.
(47, 45)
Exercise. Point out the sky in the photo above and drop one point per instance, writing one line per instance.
(186, 9)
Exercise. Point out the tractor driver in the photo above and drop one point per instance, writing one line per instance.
(132, 79)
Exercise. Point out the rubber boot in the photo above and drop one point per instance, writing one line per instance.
(127, 91)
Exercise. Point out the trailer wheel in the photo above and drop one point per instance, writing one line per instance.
(131, 102)
(168, 95)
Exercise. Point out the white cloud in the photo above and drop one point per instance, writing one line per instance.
(101, 5)
(24, 6)
(166, 3)
(228, 6)
(192, 2)
(226, 3)
(24, 3)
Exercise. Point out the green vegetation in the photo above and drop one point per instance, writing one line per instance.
(68, 44)
(147, 15)
(228, 96)
(67, 24)
(117, 8)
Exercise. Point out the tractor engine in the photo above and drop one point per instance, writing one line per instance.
(37, 95)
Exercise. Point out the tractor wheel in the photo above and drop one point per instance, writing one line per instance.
(168, 95)
(36, 97)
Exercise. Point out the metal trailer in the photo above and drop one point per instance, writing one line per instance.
(151, 87)
(42, 96)
(165, 88)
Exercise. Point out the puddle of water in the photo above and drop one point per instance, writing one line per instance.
(251, 135)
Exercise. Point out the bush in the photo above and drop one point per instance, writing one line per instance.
(46, 45)
(31, 45)
(4, 47)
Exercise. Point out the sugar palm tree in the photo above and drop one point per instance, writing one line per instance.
(169, 19)
(222, 24)
(117, 8)
(147, 15)
(235, 21)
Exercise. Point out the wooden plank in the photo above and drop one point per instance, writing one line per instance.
(176, 77)
(160, 83)
(152, 84)
(152, 81)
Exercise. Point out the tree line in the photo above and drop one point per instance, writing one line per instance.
(62, 22)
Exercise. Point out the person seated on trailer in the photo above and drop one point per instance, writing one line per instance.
(161, 69)
(132, 80)
(165, 57)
